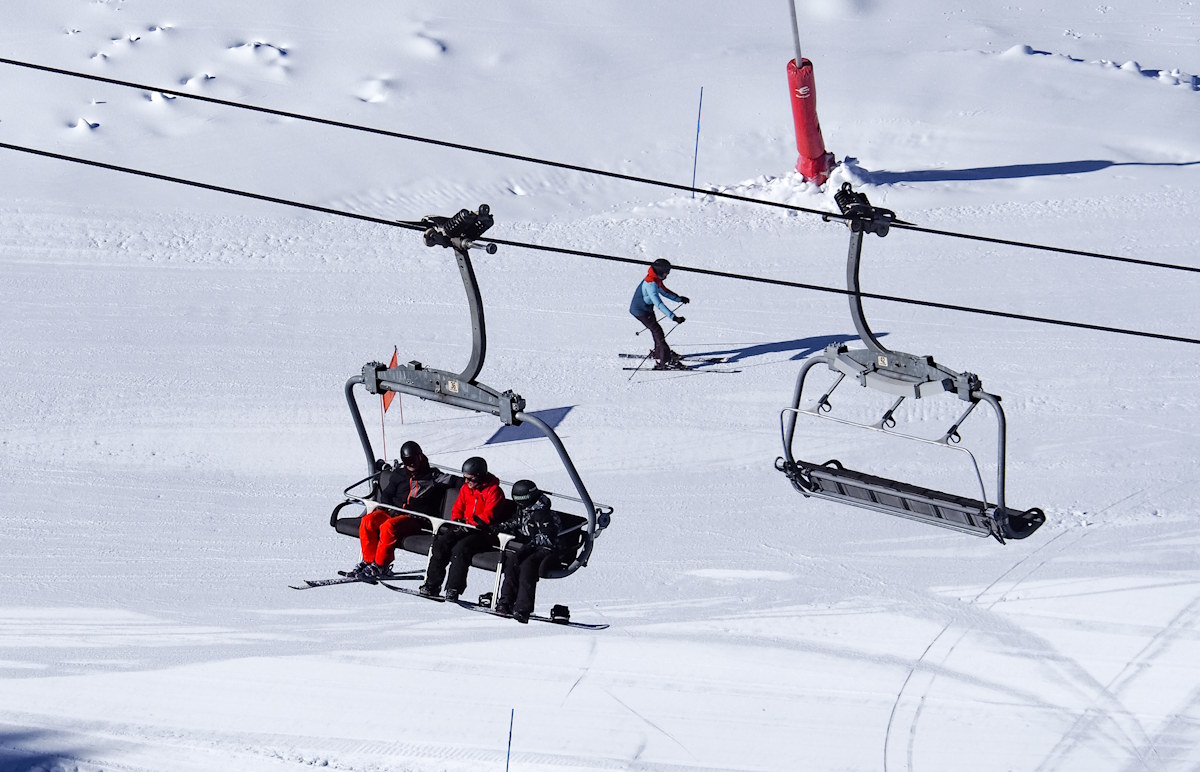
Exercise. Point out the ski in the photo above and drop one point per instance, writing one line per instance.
(402, 575)
(533, 617)
(311, 583)
(407, 591)
(689, 369)
(694, 359)
(343, 579)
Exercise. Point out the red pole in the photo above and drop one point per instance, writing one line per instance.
(814, 162)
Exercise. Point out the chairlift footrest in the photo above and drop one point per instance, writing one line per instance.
(834, 482)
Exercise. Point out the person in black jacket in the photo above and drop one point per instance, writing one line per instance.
(414, 485)
(536, 527)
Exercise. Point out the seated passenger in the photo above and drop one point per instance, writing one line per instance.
(478, 502)
(538, 527)
(413, 485)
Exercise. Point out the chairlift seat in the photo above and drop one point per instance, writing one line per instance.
(571, 538)
(835, 482)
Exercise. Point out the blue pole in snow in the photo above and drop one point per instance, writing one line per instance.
(696, 155)
(508, 757)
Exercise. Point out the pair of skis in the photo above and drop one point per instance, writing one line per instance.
(348, 578)
(691, 363)
(417, 575)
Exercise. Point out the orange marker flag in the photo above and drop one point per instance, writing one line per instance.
(388, 396)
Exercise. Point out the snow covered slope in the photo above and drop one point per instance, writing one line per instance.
(174, 432)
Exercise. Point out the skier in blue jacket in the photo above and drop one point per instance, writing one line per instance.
(646, 298)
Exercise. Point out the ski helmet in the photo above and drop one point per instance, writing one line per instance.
(410, 451)
(525, 491)
(475, 466)
(661, 267)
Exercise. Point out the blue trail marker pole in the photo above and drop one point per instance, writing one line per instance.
(508, 756)
(696, 154)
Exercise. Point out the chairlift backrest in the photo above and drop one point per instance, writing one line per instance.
(450, 496)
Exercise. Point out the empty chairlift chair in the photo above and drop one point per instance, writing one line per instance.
(903, 376)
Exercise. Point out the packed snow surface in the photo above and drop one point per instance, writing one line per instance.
(174, 432)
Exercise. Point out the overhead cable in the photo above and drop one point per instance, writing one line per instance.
(601, 256)
(582, 169)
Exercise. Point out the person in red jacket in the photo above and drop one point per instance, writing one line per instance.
(479, 502)
(411, 484)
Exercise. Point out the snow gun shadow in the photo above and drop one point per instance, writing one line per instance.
(1009, 172)
(804, 347)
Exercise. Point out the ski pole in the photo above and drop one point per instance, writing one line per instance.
(638, 369)
(660, 321)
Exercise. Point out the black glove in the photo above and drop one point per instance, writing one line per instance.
(680, 320)
(685, 300)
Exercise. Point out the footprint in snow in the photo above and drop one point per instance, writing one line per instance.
(375, 90)
(198, 80)
(425, 46)
(261, 52)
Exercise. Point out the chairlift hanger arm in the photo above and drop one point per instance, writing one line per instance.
(460, 233)
(894, 372)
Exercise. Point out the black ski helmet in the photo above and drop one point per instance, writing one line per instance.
(525, 491)
(475, 466)
(661, 267)
(410, 451)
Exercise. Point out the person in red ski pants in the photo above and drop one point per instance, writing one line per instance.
(413, 485)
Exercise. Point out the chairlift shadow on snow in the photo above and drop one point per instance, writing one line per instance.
(804, 347)
(552, 418)
(15, 757)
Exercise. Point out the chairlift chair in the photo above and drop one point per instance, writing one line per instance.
(462, 391)
(903, 376)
